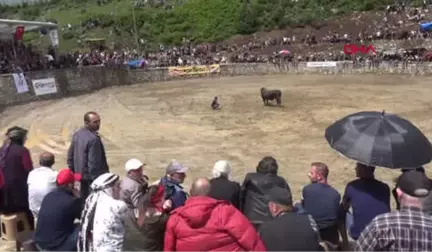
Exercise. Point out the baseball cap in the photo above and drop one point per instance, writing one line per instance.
(133, 164)
(418, 169)
(66, 176)
(280, 195)
(414, 183)
(176, 167)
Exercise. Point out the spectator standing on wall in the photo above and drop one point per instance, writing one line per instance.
(86, 153)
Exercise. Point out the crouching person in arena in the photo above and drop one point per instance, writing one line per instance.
(55, 229)
(207, 224)
(147, 232)
(102, 221)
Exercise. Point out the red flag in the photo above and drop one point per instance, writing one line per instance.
(19, 33)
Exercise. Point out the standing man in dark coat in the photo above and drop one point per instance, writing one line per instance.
(15, 166)
(86, 153)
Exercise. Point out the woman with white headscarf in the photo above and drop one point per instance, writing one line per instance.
(221, 187)
(102, 221)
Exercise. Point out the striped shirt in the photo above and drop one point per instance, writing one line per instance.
(409, 229)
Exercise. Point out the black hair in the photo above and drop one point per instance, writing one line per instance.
(267, 165)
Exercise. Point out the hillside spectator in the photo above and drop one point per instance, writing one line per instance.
(15, 164)
(410, 228)
(134, 184)
(221, 187)
(175, 176)
(41, 181)
(86, 153)
(148, 231)
(207, 224)
(102, 221)
(55, 229)
(255, 188)
(368, 197)
(288, 231)
(322, 201)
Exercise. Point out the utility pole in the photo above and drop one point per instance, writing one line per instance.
(135, 26)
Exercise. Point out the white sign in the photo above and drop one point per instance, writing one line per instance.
(53, 34)
(20, 83)
(44, 86)
(321, 64)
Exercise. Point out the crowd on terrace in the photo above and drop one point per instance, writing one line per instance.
(86, 207)
(306, 47)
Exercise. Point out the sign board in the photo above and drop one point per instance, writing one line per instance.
(193, 70)
(44, 86)
(354, 49)
(20, 83)
(321, 64)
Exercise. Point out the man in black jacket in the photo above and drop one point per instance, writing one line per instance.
(86, 153)
(288, 231)
(221, 187)
(253, 199)
(55, 229)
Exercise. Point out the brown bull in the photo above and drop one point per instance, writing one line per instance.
(269, 95)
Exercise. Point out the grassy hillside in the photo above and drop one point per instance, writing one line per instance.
(169, 23)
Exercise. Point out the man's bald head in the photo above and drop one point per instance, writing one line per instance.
(92, 121)
(200, 187)
(46, 159)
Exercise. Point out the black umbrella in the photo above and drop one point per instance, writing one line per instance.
(380, 139)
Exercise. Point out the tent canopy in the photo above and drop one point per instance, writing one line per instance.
(8, 26)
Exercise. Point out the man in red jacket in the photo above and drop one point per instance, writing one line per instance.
(207, 224)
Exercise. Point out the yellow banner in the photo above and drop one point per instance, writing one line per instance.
(192, 70)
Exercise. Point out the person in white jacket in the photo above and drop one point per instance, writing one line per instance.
(103, 218)
(41, 181)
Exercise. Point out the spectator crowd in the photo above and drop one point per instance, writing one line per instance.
(397, 23)
(86, 207)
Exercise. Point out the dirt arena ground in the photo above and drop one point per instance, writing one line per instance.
(172, 120)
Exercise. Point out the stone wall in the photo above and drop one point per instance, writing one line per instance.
(77, 81)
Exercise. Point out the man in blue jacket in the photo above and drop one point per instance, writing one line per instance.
(175, 175)
(55, 229)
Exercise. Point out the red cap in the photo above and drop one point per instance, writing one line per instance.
(66, 176)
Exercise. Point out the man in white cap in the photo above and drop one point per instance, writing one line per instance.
(135, 184)
(175, 175)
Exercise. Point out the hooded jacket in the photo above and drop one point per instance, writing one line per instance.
(207, 224)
